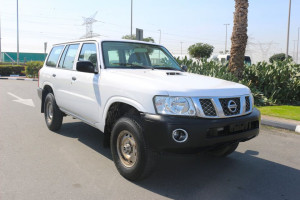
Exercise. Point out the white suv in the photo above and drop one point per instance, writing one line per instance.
(143, 102)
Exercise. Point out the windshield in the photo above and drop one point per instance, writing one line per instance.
(137, 56)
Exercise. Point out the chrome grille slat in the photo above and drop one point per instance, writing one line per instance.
(208, 107)
(247, 103)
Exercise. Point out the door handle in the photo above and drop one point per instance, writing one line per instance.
(53, 75)
(74, 78)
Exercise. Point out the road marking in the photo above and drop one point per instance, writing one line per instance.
(27, 102)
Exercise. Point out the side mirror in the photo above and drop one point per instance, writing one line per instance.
(86, 66)
(184, 67)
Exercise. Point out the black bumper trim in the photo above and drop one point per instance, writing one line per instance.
(158, 130)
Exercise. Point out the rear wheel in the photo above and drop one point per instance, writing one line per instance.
(224, 150)
(131, 154)
(53, 115)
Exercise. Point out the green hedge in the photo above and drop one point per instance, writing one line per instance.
(6, 70)
(32, 68)
(277, 83)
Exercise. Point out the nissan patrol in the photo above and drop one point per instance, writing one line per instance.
(143, 102)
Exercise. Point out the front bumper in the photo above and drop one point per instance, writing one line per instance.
(203, 133)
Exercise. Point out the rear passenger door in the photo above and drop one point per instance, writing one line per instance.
(85, 88)
(63, 77)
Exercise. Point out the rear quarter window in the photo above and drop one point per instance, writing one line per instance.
(54, 56)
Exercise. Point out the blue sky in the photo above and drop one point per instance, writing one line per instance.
(188, 21)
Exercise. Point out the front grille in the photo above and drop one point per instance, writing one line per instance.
(224, 103)
(247, 103)
(208, 107)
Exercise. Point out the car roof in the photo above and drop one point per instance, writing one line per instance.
(99, 40)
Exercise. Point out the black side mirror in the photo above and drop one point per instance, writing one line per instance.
(86, 66)
(184, 67)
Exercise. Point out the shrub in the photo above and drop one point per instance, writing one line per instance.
(278, 57)
(200, 50)
(279, 81)
(32, 68)
(6, 70)
(271, 84)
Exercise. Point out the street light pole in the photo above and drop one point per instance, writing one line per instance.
(226, 39)
(297, 46)
(181, 48)
(288, 32)
(18, 58)
(131, 21)
(159, 36)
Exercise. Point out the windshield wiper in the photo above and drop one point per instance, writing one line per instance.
(134, 65)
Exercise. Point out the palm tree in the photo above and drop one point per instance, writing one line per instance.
(239, 38)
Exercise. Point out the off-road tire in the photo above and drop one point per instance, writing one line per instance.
(145, 159)
(53, 116)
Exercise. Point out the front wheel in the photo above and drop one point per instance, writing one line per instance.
(131, 154)
(53, 115)
(224, 150)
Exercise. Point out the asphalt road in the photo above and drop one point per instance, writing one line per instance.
(36, 163)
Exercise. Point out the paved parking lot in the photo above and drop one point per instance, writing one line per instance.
(36, 163)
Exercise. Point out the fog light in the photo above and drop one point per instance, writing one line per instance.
(179, 135)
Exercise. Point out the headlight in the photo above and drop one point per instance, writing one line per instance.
(174, 106)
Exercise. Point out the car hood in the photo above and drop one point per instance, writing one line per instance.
(176, 83)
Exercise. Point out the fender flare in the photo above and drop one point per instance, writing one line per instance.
(42, 97)
(118, 99)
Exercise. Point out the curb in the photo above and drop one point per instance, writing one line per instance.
(278, 124)
(20, 79)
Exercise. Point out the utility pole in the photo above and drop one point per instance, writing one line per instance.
(226, 38)
(0, 41)
(45, 49)
(131, 21)
(18, 58)
(288, 32)
(181, 48)
(298, 46)
(159, 36)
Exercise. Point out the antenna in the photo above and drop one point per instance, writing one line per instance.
(88, 22)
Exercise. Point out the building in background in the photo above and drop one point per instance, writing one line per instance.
(24, 57)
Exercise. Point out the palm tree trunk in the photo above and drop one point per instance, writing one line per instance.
(239, 38)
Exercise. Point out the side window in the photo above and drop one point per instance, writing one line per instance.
(88, 53)
(63, 57)
(54, 55)
(67, 60)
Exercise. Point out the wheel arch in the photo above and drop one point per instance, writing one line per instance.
(119, 100)
(47, 88)
(114, 110)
